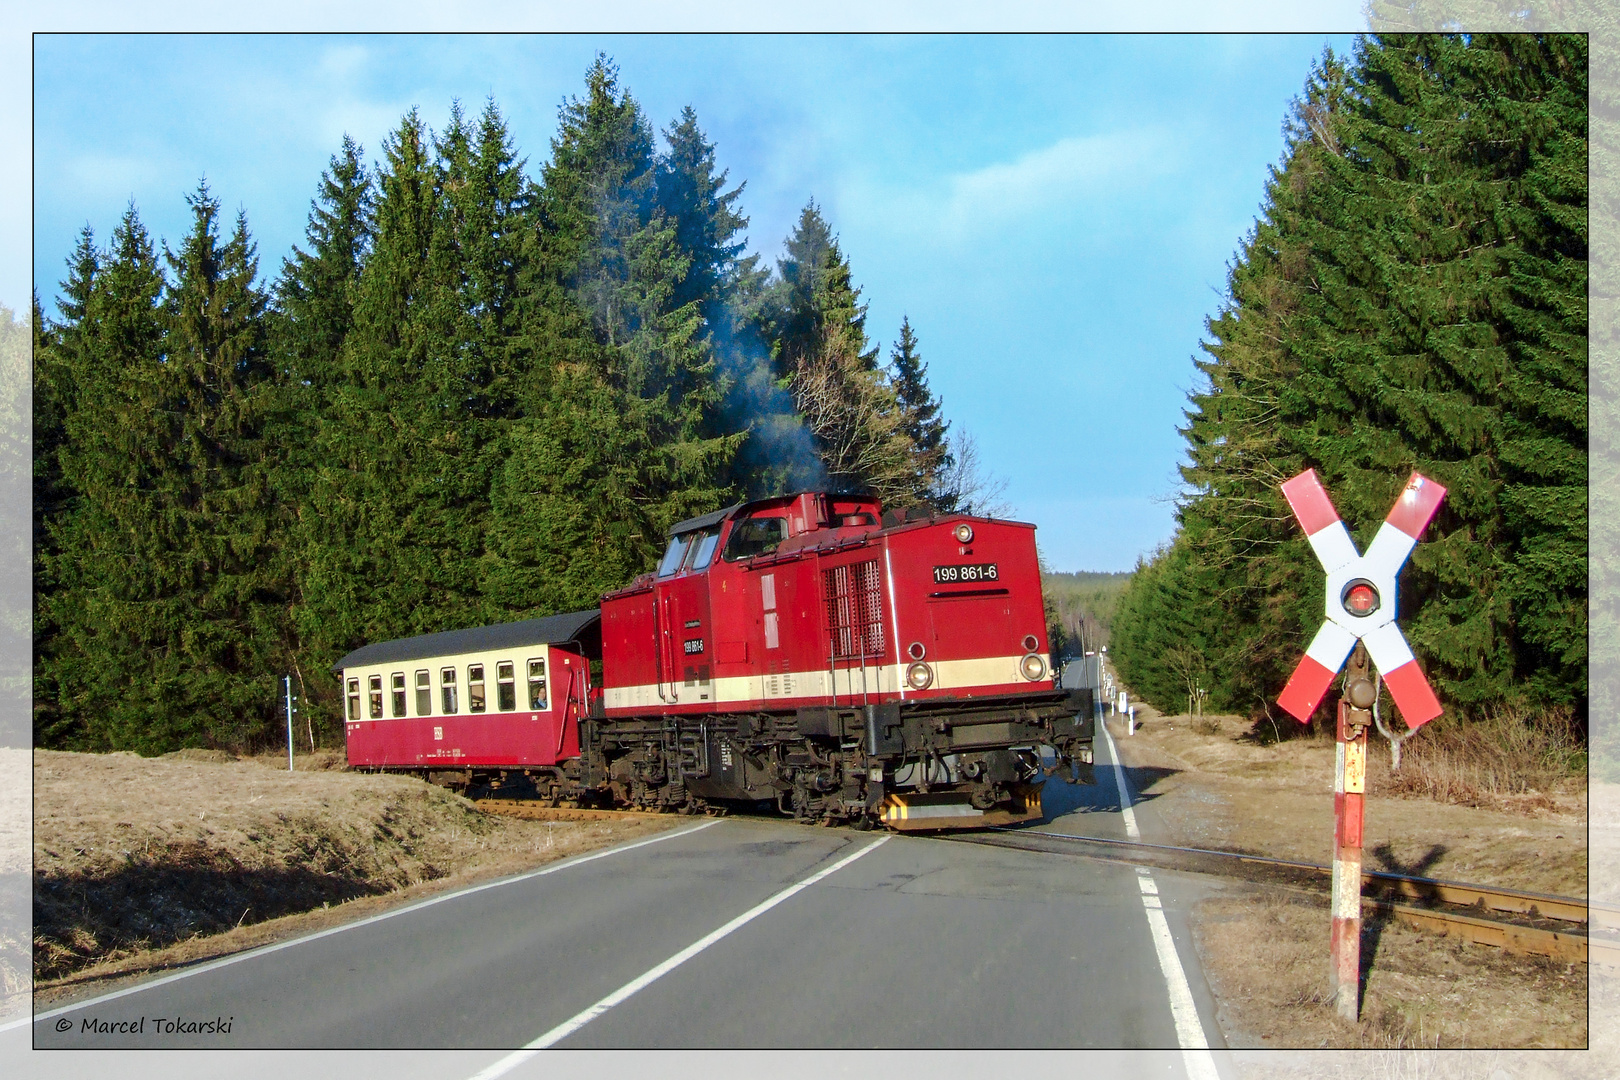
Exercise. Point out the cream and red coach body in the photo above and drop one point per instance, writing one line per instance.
(813, 652)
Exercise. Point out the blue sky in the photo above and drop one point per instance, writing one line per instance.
(1054, 213)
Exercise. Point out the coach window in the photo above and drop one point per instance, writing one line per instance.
(354, 699)
(505, 687)
(674, 554)
(475, 687)
(537, 683)
(424, 693)
(756, 536)
(703, 548)
(447, 687)
(374, 686)
(396, 688)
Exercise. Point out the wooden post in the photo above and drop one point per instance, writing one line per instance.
(1349, 794)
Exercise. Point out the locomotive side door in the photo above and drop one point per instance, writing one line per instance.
(685, 635)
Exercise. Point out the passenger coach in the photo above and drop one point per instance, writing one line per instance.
(465, 701)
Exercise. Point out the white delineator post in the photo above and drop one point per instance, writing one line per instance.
(286, 682)
(1361, 608)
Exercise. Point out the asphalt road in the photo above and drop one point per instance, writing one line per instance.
(915, 943)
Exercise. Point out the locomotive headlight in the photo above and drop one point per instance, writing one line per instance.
(1032, 667)
(964, 533)
(919, 676)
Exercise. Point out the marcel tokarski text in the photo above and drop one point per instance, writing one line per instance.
(156, 1025)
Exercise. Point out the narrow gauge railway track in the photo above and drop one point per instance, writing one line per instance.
(1561, 927)
(535, 810)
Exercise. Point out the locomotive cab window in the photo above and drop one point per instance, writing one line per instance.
(674, 555)
(703, 548)
(537, 683)
(447, 688)
(505, 687)
(354, 699)
(475, 687)
(374, 688)
(424, 693)
(755, 536)
(397, 692)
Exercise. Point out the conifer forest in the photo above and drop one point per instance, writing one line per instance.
(472, 395)
(484, 385)
(1412, 297)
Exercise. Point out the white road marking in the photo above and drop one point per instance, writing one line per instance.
(1195, 1054)
(568, 1027)
(264, 950)
(1125, 810)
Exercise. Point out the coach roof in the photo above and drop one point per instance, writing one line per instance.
(551, 630)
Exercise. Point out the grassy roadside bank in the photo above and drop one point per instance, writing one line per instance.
(146, 862)
(1211, 783)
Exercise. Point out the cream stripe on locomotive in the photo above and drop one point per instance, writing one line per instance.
(852, 683)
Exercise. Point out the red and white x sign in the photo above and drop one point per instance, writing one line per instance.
(1361, 597)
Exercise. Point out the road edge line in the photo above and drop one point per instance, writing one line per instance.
(1196, 1056)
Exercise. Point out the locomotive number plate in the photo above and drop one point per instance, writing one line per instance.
(693, 645)
(956, 575)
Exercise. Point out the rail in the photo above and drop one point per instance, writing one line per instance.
(1521, 925)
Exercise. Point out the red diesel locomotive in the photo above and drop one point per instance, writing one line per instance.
(809, 651)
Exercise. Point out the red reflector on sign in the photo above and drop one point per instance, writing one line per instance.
(1361, 599)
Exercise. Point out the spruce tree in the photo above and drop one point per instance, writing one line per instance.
(376, 555)
(726, 284)
(1412, 298)
(167, 589)
(924, 426)
(316, 291)
(817, 323)
(607, 245)
(102, 543)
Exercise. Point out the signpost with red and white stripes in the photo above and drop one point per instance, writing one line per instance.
(1360, 626)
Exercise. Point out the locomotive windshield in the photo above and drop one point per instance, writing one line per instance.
(700, 545)
(703, 549)
(674, 555)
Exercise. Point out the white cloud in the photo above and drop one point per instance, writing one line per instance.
(116, 176)
(1056, 177)
(344, 61)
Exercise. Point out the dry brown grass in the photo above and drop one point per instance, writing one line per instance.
(1507, 758)
(1266, 957)
(138, 854)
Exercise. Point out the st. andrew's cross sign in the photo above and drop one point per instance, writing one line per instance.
(1361, 597)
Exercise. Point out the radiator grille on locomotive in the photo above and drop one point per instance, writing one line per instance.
(854, 598)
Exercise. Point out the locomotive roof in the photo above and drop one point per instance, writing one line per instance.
(551, 630)
(714, 517)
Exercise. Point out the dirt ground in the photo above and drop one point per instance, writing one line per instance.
(141, 863)
(1265, 950)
